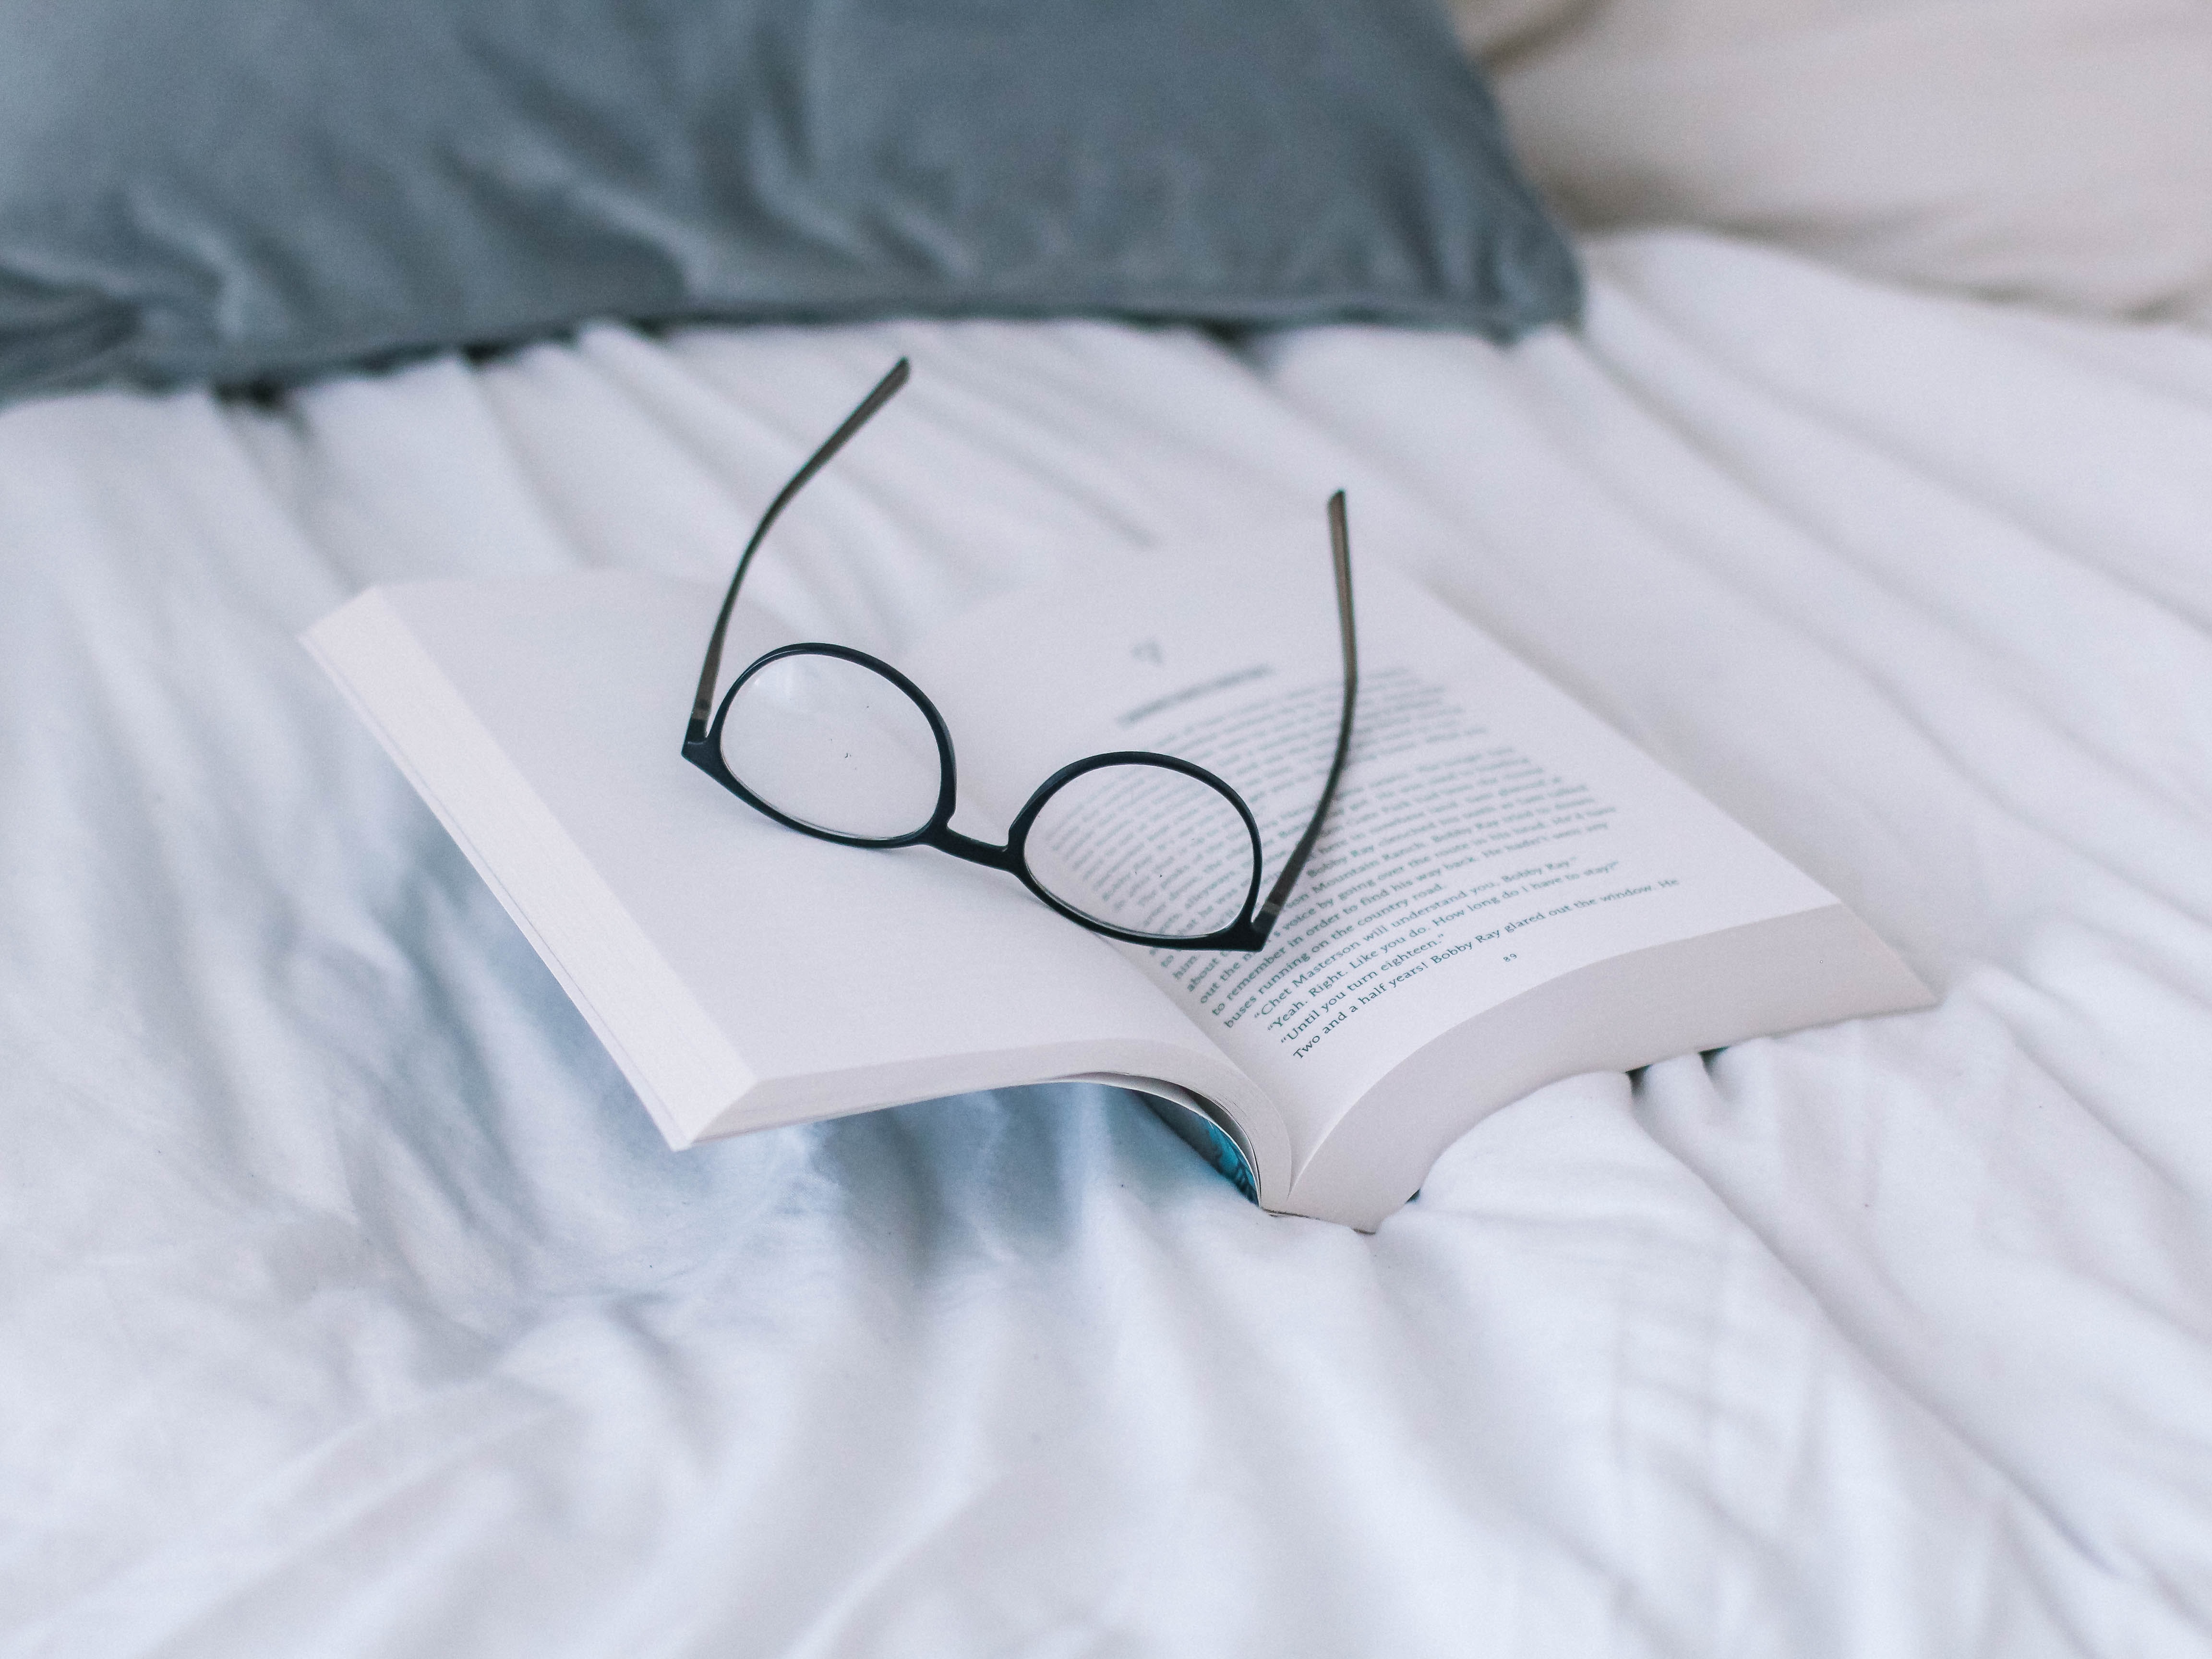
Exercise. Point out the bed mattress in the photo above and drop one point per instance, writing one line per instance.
(350, 1304)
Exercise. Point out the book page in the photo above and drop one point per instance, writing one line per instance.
(1489, 835)
(840, 978)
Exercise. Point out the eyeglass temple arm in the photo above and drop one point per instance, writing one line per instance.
(1339, 536)
(703, 704)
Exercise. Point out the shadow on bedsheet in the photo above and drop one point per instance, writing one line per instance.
(484, 1121)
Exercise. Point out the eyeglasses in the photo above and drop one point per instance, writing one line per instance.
(838, 744)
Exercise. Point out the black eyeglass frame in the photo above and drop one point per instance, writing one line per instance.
(702, 739)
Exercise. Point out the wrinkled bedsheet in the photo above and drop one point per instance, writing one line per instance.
(349, 1304)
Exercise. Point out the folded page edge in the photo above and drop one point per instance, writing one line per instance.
(1123, 1063)
(1361, 1178)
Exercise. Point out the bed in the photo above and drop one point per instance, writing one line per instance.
(352, 1306)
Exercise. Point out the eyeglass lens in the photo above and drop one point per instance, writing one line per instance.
(1144, 848)
(834, 744)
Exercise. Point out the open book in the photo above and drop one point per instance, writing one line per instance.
(1506, 892)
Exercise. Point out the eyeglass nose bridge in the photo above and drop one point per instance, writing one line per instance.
(946, 839)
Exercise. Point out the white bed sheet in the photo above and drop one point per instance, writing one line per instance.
(350, 1305)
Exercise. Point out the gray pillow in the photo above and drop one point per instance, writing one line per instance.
(256, 190)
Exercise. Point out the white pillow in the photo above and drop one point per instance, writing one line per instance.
(2055, 151)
